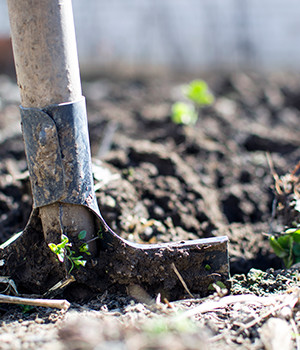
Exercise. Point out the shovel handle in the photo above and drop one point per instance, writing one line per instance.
(45, 51)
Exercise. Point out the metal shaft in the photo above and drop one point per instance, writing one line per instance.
(47, 68)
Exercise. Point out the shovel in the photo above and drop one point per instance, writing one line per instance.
(55, 132)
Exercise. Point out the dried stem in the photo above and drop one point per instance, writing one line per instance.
(53, 303)
(181, 280)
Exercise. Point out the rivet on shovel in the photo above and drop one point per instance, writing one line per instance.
(55, 131)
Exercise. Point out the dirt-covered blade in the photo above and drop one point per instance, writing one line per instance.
(175, 269)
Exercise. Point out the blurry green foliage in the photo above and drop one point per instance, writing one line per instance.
(184, 113)
(198, 92)
(287, 246)
(198, 95)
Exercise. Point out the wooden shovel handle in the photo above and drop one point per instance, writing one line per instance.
(45, 51)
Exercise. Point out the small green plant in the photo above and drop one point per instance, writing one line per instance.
(81, 235)
(27, 308)
(100, 233)
(63, 249)
(287, 246)
(207, 267)
(215, 286)
(198, 95)
(184, 113)
(198, 92)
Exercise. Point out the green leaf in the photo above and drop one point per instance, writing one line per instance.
(53, 247)
(198, 92)
(75, 258)
(296, 236)
(64, 241)
(207, 267)
(292, 230)
(221, 284)
(286, 241)
(79, 262)
(288, 261)
(296, 249)
(84, 248)
(183, 113)
(61, 256)
(297, 259)
(100, 233)
(27, 308)
(82, 235)
(60, 252)
(280, 251)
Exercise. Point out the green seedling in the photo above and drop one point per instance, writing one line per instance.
(27, 308)
(63, 249)
(287, 246)
(60, 248)
(207, 267)
(215, 286)
(82, 235)
(198, 92)
(184, 113)
(84, 248)
(198, 95)
(100, 233)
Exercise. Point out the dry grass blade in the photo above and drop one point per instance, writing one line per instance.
(57, 288)
(10, 285)
(288, 300)
(273, 172)
(262, 317)
(181, 280)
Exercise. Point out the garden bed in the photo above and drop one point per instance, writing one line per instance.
(157, 181)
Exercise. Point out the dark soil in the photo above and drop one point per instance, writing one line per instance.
(166, 182)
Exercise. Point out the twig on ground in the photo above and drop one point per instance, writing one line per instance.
(272, 168)
(53, 303)
(225, 301)
(181, 280)
(243, 298)
(58, 287)
(10, 285)
(290, 302)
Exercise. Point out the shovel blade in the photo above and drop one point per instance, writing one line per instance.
(175, 270)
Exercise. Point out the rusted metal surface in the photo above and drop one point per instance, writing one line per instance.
(58, 154)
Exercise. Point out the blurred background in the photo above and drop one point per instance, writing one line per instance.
(182, 35)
